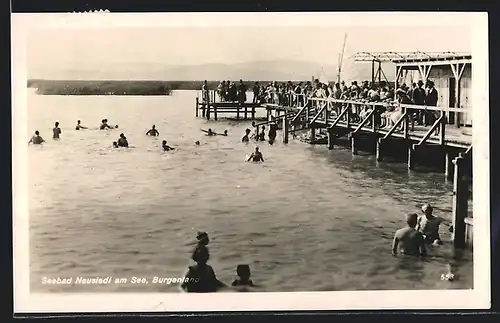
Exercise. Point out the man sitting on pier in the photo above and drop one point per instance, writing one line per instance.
(428, 225)
(409, 240)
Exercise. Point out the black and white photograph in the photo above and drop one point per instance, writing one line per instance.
(257, 161)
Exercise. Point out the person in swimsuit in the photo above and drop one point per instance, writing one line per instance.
(36, 139)
(165, 146)
(243, 272)
(201, 277)
(152, 132)
(202, 242)
(104, 125)
(246, 137)
(122, 141)
(197, 142)
(256, 156)
(428, 225)
(273, 128)
(262, 134)
(56, 131)
(209, 132)
(79, 126)
(222, 134)
(409, 240)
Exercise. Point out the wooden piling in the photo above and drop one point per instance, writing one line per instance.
(246, 112)
(460, 202)
(238, 112)
(331, 139)
(285, 130)
(215, 112)
(448, 165)
(208, 112)
(378, 150)
(411, 156)
(313, 135)
(197, 106)
(354, 147)
(253, 113)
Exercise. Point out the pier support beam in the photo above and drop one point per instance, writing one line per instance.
(215, 112)
(197, 106)
(313, 135)
(354, 146)
(448, 165)
(253, 113)
(460, 202)
(286, 123)
(331, 139)
(411, 155)
(378, 150)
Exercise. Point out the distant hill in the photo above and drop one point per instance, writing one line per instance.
(280, 70)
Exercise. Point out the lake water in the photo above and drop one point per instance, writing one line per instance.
(307, 219)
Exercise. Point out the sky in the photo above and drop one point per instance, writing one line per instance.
(93, 48)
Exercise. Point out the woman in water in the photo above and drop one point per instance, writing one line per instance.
(201, 277)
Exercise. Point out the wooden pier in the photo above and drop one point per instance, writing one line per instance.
(211, 107)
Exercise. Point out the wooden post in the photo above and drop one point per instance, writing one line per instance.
(448, 165)
(215, 112)
(460, 202)
(378, 150)
(253, 113)
(331, 138)
(285, 130)
(238, 112)
(246, 112)
(268, 110)
(313, 135)
(197, 106)
(257, 133)
(354, 147)
(411, 156)
(208, 112)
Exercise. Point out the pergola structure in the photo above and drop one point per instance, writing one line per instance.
(421, 62)
(405, 61)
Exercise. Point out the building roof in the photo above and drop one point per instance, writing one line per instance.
(410, 57)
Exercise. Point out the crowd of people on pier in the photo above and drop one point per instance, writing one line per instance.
(296, 94)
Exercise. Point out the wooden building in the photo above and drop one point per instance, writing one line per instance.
(452, 77)
(450, 72)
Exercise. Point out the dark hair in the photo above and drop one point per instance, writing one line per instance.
(411, 219)
(243, 270)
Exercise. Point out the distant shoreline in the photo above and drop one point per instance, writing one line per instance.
(119, 87)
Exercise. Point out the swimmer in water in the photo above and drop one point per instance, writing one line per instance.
(256, 156)
(243, 272)
(115, 144)
(222, 134)
(203, 241)
(197, 142)
(36, 139)
(79, 126)
(262, 135)
(122, 141)
(152, 132)
(165, 146)
(56, 131)
(209, 132)
(245, 137)
(409, 240)
(428, 225)
(105, 125)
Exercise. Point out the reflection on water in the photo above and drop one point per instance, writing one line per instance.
(306, 219)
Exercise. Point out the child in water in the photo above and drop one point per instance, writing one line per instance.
(202, 244)
(115, 144)
(243, 272)
(165, 146)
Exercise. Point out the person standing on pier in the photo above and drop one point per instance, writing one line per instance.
(56, 131)
(299, 98)
(242, 93)
(418, 98)
(256, 93)
(431, 99)
(428, 225)
(152, 132)
(233, 93)
(204, 91)
(408, 240)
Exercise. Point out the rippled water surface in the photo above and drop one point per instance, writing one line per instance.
(306, 219)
